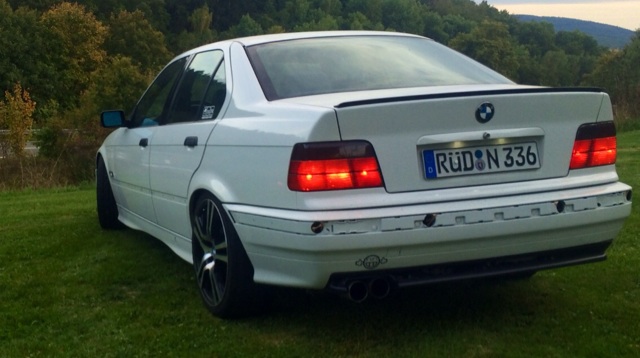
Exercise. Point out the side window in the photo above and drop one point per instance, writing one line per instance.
(216, 94)
(189, 101)
(153, 105)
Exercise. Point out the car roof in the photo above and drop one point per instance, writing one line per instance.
(256, 40)
(262, 39)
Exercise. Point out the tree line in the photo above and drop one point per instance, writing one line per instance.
(66, 60)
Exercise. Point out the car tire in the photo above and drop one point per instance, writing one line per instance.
(105, 202)
(224, 273)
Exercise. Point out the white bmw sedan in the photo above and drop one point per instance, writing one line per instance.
(358, 163)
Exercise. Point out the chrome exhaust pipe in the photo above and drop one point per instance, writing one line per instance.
(357, 291)
(379, 288)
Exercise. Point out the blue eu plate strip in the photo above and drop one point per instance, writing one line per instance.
(429, 164)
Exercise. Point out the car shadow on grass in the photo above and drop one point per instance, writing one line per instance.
(442, 304)
(460, 301)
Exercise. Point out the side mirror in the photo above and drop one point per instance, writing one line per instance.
(112, 119)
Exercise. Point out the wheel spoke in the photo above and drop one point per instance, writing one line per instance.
(221, 246)
(216, 290)
(201, 238)
(205, 269)
(210, 216)
(223, 258)
(204, 225)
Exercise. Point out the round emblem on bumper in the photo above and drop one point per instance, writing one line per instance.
(372, 261)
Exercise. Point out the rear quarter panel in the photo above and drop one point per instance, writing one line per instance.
(247, 158)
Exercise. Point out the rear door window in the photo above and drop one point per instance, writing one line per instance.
(193, 100)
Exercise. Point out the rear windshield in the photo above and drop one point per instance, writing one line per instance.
(357, 63)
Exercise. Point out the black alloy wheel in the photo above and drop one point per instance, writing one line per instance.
(223, 271)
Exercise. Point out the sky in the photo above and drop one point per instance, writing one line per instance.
(622, 13)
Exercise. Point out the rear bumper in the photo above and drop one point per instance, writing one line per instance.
(497, 266)
(411, 243)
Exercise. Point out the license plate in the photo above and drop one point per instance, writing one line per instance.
(441, 163)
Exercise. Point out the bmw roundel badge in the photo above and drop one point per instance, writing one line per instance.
(485, 112)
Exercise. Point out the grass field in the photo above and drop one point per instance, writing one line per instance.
(69, 289)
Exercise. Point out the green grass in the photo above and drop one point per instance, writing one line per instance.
(69, 289)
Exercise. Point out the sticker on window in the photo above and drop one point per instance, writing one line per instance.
(208, 112)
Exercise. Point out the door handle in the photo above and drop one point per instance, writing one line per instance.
(191, 142)
(144, 142)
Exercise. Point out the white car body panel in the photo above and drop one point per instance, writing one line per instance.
(286, 252)
(130, 161)
(243, 157)
(172, 164)
(448, 123)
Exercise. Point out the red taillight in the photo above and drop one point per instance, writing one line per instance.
(333, 166)
(595, 145)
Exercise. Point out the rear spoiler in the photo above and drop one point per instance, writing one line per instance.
(469, 94)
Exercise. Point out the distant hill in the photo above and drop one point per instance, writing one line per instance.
(606, 35)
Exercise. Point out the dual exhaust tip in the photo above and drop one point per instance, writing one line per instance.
(359, 291)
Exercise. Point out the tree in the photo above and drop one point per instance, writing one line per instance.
(559, 69)
(33, 4)
(454, 25)
(9, 38)
(358, 21)
(330, 7)
(228, 13)
(116, 85)
(295, 13)
(179, 11)
(577, 43)
(371, 9)
(73, 50)
(275, 29)
(536, 37)
(609, 74)
(155, 12)
(434, 27)
(530, 71)
(326, 23)
(403, 16)
(131, 35)
(619, 74)
(16, 115)
(491, 44)
(468, 9)
(200, 20)
(582, 49)
(23, 46)
(246, 27)
(201, 32)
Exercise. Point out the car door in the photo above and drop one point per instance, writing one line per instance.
(129, 156)
(179, 144)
